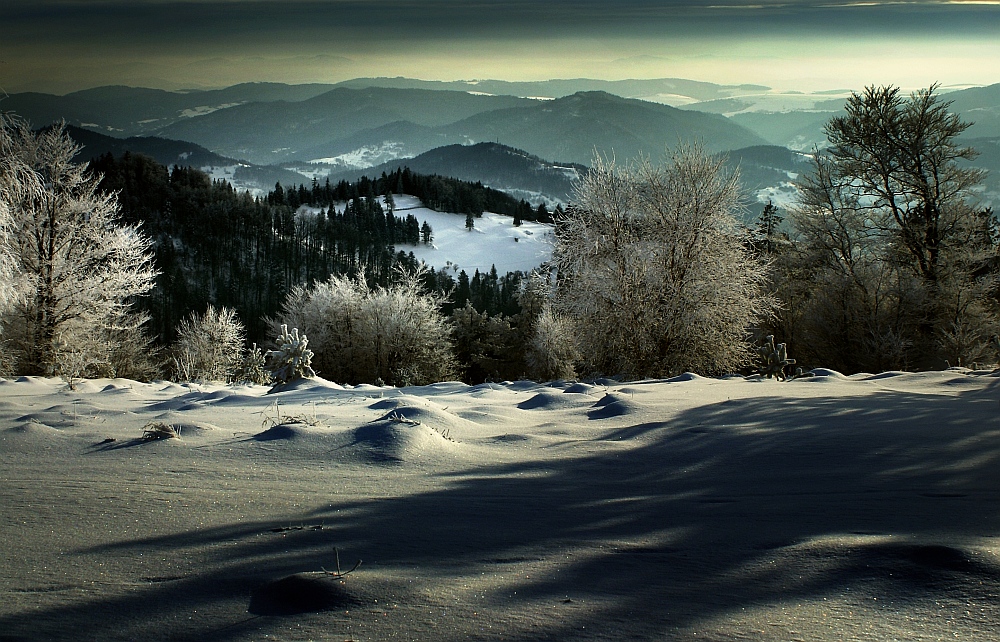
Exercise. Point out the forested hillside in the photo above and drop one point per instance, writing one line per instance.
(216, 245)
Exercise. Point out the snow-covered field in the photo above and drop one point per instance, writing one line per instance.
(827, 508)
(494, 241)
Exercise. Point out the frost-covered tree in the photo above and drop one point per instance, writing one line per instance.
(896, 255)
(7, 290)
(7, 273)
(209, 346)
(655, 271)
(80, 268)
(17, 182)
(253, 367)
(360, 334)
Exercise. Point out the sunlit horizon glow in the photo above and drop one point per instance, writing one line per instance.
(59, 46)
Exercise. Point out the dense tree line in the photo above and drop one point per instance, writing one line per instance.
(436, 192)
(889, 261)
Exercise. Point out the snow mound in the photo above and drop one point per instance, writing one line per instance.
(33, 429)
(908, 562)
(440, 388)
(39, 382)
(391, 403)
(429, 414)
(549, 401)
(393, 441)
(301, 593)
(236, 399)
(311, 384)
(496, 395)
(612, 405)
(687, 376)
(190, 429)
(580, 388)
(284, 432)
(64, 415)
(823, 372)
(521, 386)
(113, 388)
(609, 399)
(178, 404)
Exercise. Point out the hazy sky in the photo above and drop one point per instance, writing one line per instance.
(63, 45)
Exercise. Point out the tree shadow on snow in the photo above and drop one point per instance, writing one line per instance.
(718, 509)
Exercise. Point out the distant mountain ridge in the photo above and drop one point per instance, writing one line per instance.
(167, 152)
(498, 166)
(266, 123)
(278, 131)
(130, 111)
(163, 150)
(256, 134)
(574, 128)
(565, 129)
(668, 90)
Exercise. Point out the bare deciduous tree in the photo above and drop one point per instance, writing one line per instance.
(896, 161)
(893, 246)
(655, 271)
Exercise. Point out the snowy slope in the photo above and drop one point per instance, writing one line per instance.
(494, 241)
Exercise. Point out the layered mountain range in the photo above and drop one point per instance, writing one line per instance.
(531, 139)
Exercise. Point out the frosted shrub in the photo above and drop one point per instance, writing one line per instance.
(773, 359)
(655, 270)
(292, 359)
(132, 352)
(552, 351)
(361, 334)
(209, 347)
(253, 367)
(328, 312)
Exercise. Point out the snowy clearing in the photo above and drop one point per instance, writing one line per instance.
(492, 242)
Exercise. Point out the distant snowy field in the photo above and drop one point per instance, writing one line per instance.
(494, 241)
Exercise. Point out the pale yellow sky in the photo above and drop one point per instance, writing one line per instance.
(63, 45)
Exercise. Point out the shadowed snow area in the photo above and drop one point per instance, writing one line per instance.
(822, 508)
(302, 593)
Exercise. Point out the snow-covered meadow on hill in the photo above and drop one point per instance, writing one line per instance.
(822, 508)
(494, 241)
